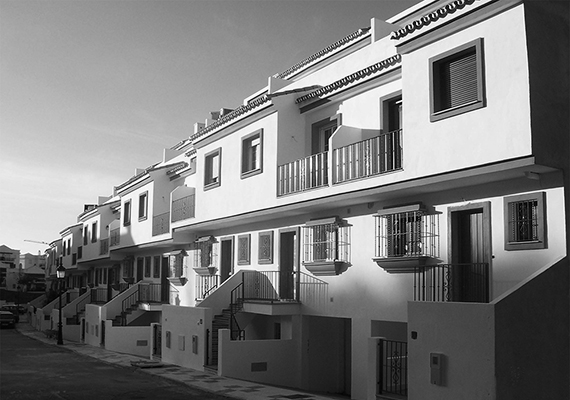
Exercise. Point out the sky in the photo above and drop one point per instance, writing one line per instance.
(92, 89)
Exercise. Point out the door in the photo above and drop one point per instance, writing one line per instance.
(226, 259)
(164, 283)
(470, 253)
(140, 269)
(287, 262)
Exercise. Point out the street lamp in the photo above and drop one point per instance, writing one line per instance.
(60, 273)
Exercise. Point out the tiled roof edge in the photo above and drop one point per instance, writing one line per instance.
(351, 78)
(322, 53)
(431, 17)
(228, 117)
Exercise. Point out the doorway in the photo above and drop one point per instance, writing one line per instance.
(470, 252)
(288, 255)
(226, 258)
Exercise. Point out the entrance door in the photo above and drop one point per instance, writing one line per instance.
(140, 268)
(287, 261)
(470, 252)
(226, 259)
(164, 282)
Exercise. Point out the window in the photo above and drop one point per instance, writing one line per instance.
(243, 250)
(93, 232)
(326, 240)
(68, 246)
(457, 81)
(127, 213)
(406, 232)
(213, 162)
(265, 247)
(205, 250)
(147, 267)
(156, 267)
(85, 235)
(252, 154)
(143, 206)
(322, 132)
(525, 222)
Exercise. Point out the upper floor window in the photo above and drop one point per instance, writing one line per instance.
(213, 162)
(143, 205)
(407, 231)
(252, 154)
(457, 81)
(321, 134)
(127, 213)
(326, 240)
(85, 235)
(525, 222)
(94, 232)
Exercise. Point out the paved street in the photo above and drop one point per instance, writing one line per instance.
(31, 369)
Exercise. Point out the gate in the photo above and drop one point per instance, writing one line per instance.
(157, 342)
(393, 367)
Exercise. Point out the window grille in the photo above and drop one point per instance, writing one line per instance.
(525, 226)
(408, 233)
(205, 251)
(326, 241)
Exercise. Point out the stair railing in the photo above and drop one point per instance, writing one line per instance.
(236, 305)
(80, 306)
(128, 302)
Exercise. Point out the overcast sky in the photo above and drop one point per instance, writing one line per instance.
(91, 90)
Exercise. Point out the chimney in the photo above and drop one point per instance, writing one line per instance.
(225, 111)
(198, 126)
(215, 115)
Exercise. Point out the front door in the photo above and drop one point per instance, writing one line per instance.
(140, 269)
(164, 282)
(287, 258)
(470, 252)
(226, 259)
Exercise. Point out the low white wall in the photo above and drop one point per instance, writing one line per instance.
(128, 339)
(179, 326)
(94, 314)
(266, 361)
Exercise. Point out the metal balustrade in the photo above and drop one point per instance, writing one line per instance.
(393, 374)
(307, 173)
(452, 282)
(104, 249)
(206, 284)
(368, 157)
(115, 237)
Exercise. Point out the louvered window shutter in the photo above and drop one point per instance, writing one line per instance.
(459, 81)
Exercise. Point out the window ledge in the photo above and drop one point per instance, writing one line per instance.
(204, 271)
(253, 172)
(326, 268)
(178, 281)
(402, 264)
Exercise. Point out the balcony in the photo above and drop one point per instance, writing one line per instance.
(161, 224)
(452, 282)
(183, 208)
(362, 159)
(115, 237)
(104, 249)
(368, 157)
(304, 174)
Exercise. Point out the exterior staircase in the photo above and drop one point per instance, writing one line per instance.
(220, 321)
(121, 319)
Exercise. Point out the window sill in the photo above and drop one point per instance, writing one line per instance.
(179, 281)
(211, 185)
(402, 264)
(205, 271)
(530, 245)
(253, 172)
(451, 112)
(326, 268)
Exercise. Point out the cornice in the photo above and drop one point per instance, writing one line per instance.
(327, 50)
(349, 79)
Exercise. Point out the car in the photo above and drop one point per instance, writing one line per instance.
(12, 309)
(7, 319)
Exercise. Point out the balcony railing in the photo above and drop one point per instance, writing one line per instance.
(304, 174)
(104, 249)
(206, 284)
(368, 158)
(115, 237)
(161, 224)
(452, 282)
(183, 208)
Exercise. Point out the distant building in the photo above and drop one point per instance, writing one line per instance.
(9, 267)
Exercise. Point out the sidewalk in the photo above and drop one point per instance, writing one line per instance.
(207, 381)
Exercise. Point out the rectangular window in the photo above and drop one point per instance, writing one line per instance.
(127, 213)
(94, 232)
(265, 255)
(252, 154)
(326, 240)
(243, 244)
(147, 267)
(85, 235)
(68, 246)
(525, 222)
(322, 132)
(213, 163)
(156, 267)
(456, 78)
(143, 206)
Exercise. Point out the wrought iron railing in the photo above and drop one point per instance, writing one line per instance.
(393, 374)
(115, 237)
(183, 208)
(161, 224)
(80, 306)
(104, 247)
(452, 282)
(304, 174)
(236, 305)
(368, 157)
(206, 284)
(268, 285)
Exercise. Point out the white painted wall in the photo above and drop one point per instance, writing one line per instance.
(128, 339)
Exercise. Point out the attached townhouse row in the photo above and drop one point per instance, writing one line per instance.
(388, 217)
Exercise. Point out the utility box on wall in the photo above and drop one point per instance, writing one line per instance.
(436, 366)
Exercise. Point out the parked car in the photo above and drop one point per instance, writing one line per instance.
(12, 309)
(7, 319)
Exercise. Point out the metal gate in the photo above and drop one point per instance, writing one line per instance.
(393, 367)
(157, 342)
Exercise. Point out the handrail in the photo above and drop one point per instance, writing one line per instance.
(128, 302)
(80, 306)
(236, 305)
(303, 174)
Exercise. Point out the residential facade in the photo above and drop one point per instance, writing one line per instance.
(388, 217)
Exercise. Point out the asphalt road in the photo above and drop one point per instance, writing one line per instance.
(30, 369)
